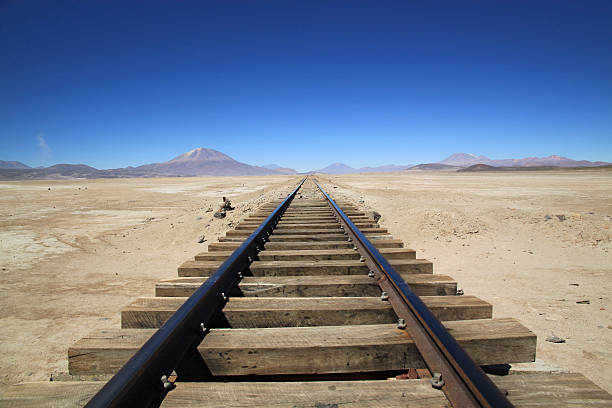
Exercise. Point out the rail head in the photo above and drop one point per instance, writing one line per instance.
(143, 380)
(463, 381)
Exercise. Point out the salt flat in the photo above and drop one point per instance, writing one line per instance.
(74, 252)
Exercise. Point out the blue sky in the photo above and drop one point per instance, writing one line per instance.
(304, 84)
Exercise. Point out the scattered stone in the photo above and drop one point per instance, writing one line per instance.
(227, 205)
(555, 339)
(561, 217)
(199, 218)
(219, 214)
(574, 284)
(209, 210)
(376, 216)
(583, 302)
(547, 217)
(321, 405)
(201, 239)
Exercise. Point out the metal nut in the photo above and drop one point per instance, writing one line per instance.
(361, 259)
(436, 381)
(371, 274)
(401, 324)
(384, 296)
(459, 292)
(166, 383)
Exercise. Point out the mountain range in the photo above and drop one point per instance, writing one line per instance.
(209, 162)
(341, 168)
(466, 160)
(196, 162)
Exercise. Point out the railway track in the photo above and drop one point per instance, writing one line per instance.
(308, 302)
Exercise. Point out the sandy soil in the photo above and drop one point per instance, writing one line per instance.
(73, 255)
(531, 244)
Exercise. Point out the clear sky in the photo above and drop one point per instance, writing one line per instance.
(304, 83)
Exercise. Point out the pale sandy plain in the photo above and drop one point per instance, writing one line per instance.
(71, 257)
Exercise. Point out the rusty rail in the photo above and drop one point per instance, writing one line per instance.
(454, 372)
(144, 380)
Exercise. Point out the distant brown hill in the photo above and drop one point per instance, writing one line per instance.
(434, 166)
(12, 165)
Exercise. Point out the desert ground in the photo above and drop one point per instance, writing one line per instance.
(74, 252)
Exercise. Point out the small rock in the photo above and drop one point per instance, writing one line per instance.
(227, 205)
(49, 189)
(561, 217)
(198, 218)
(555, 339)
(219, 214)
(583, 302)
(547, 217)
(574, 284)
(376, 216)
(209, 210)
(201, 239)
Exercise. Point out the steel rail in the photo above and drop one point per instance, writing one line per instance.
(143, 380)
(461, 379)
